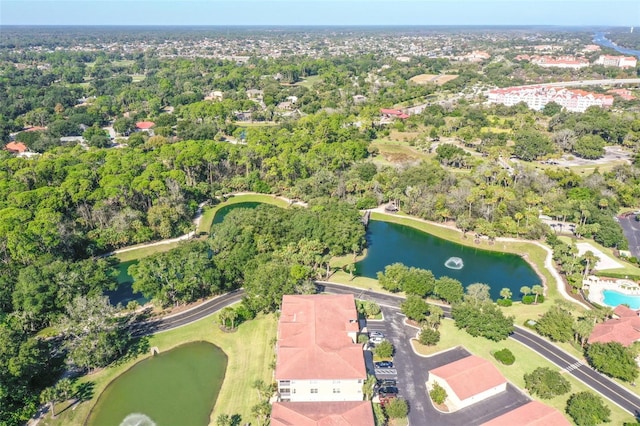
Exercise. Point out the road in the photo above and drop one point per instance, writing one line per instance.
(598, 382)
(603, 82)
(631, 229)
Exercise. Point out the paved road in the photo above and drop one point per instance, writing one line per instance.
(607, 82)
(600, 383)
(631, 229)
(178, 320)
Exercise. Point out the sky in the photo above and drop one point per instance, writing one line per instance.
(320, 12)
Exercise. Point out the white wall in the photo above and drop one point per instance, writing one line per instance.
(325, 390)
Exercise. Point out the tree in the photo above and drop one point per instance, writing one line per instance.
(531, 145)
(396, 408)
(372, 309)
(228, 314)
(614, 360)
(50, 396)
(449, 289)
(428, 336)
(383, 349)
(124, 125)
(505, 293)
(482, 319)
(391, 278)
(478, 292)
(526, 290)
(261, 412)
(589, 146)
(587, 409)
(546, 383)
(415, 308)
(367, 387)
(538, 290)
(557, 324)
(582, 329)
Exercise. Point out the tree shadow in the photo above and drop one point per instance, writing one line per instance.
(236, 420)
(84, 391)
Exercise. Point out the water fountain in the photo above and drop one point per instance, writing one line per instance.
(137, 419)
(454, 263)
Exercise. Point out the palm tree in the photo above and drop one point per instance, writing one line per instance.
(590, 259)
(537, 290)
(505, 293)
(50, 396)
(525, 290)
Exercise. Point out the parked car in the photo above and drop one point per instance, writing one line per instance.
(388, 392)
(385, 382)
(376, 334)
(376, 340)
(384, 364)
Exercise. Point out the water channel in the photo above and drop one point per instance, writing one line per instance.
(177, 387)
(602, 40)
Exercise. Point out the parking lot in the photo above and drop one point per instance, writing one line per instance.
(631, 229)
(411, 373)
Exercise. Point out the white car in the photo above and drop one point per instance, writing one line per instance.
(376, 340)
(376, 334)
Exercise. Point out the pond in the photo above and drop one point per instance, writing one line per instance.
(124, 293)
(390, 243)
(177, 387)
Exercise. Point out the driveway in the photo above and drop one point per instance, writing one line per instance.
(631, 229)
(411, 372)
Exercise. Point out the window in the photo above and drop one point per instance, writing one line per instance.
(314, 390)
(336, 390)
(285, 382)
(285, 390)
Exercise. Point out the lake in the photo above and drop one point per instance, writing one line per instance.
(124, 293)
(390, 243)
(602, 40)
(177, 387)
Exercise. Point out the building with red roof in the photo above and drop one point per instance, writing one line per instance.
(532, 414)
(570, 62)
(145, 125)
(16, 147)
(318, 357)
(467, 381)
(625, 94)
(536, 97)
(624, 328)
(393, 113)
(343, 413)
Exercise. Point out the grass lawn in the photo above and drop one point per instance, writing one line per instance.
(627, 269)
(145, 251)
(250, 351)
(393, 152)
(210, 212)
(135, 78)
(526, 361)
(309, 81)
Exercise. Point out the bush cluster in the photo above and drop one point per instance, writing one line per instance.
(505, 356)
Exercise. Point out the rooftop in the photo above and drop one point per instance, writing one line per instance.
(532, 414)
(624, 330)
(343, 413)
(313, 340)
(15, 147)
(144, 125)
(469, 376)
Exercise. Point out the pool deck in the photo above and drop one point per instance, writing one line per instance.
(597, 287)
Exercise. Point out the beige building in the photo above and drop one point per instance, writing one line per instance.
(467, 381)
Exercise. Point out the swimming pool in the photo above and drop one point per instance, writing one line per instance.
(614, 298)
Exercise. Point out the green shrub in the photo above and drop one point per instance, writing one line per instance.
(438, 394)
(505, 356)
(429, 336)
(504, 302)
(529, 299)
(383, 349)
(396, 408)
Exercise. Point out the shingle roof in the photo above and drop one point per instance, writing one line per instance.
(144, 125)
(624, 330)
(312, 338)
(532, 414)
(16, 147)
(343, 413)
(469, 376)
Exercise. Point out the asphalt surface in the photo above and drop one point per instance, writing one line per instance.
(631, 229)
(411, 372)
(603, 385)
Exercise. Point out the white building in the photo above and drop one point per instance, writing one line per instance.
(569, 62)
(617, 61)
(467, 381)
(536, 97)
(318, 358)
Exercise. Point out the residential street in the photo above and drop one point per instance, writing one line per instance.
(631, 229)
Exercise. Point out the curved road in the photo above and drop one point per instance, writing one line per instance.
(603, 82)
(596, 381)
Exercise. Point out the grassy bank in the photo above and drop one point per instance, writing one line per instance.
(250, 352)
(526, 361)
(210, 212)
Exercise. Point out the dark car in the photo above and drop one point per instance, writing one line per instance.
(388, 392)
(384, 364)
(386, 382)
